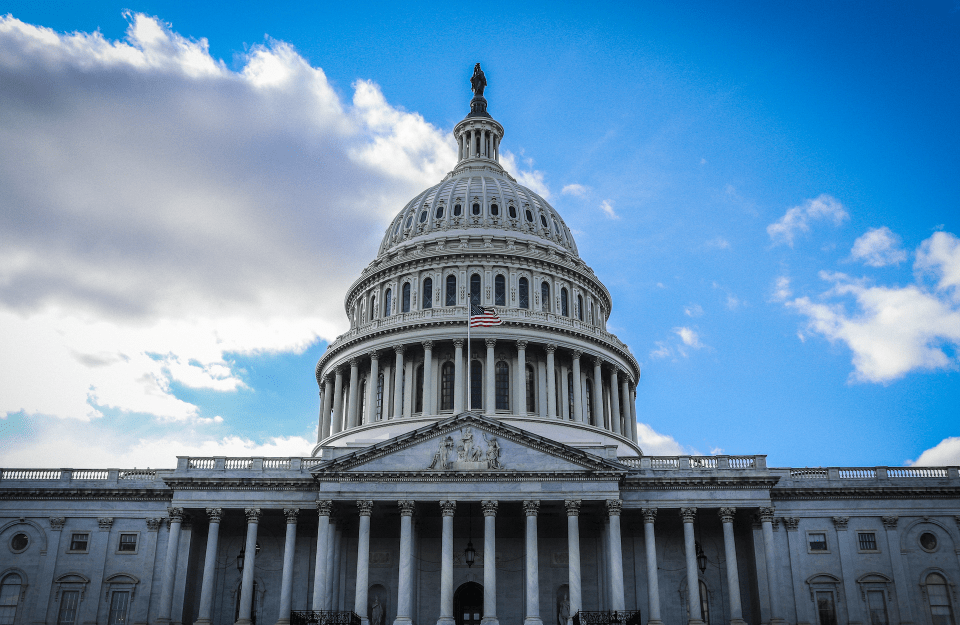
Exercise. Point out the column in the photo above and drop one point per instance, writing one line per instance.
(551, 382)
(489, 561)
(530, 508)
(633, 416)
(331, 597)
(448, 507)
(615, 559)
(336, 424)
(690, 550)
(489, 383)
(327, 407)
(573, 555)
(903, 587)
(365, 507)
(404, 612)
(398, 383)
(598, 392)
(577, 395)
(733, 576)
(846, 550)
(372, 383)
(522, 377)
(354, 405)
(320, 583)
(170, 565)
(428, 393)
(289, 548)
(615, 401)
(209, 567)
(458, 388)
(653, 583)
(250, 556)
(766, 521)
(628, 428)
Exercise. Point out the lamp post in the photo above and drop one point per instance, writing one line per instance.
(470, 554)
(242, 556)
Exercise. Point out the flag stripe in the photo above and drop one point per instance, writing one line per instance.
(481, 317)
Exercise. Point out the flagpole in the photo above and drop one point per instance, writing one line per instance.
(469, 361)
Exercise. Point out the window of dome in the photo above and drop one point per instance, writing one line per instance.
(494, 209)
(388, 303)
(544, 297)
(928, 541)
(457, 209)
(564, 308)
(409, 221)
(451, 295)
(529, 216)
(500, 290)
(475, 289)
(423, 216)
(405, 298)
(439, 214)
(543, 220)
(427, 293)
(524, 288)
(396, 230)
(476, 209)
(513, 211)
(19, 542)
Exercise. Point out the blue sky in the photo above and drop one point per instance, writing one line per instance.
(769, 190)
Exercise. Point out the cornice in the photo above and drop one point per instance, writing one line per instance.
(86, 494)
(229, 483)
(700, 482)
(463, 476)
(865, 492)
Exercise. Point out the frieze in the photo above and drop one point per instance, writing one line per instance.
(470, 455)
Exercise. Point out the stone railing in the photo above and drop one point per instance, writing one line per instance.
(111, 476)
(869, 473)
(695, 463)
(254, 464)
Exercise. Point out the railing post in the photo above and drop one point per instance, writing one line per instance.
(66, 475)
(833, 473)
(723, 462)
(182, 462)
(220, 463)
(256, 464)
(881, 473)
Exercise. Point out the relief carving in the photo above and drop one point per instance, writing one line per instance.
(471, 456)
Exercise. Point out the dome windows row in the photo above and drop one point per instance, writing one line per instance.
(476, 210)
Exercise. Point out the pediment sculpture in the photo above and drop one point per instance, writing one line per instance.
(471, 455)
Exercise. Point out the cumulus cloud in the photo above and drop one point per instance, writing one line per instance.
(878, 247)
(798, 219)
(718, 243)
(689, 337)
(654, 443)
(164, 210)
(574, 189)
(893, 330)
(944, 453)
(679, 347)
(693, 310)
(607, 209)
(530, 177)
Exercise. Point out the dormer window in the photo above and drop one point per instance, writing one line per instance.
(476, 209)
(423, 216)
(543, 220)
(457, 209)
(409, 221)
(439, 214)
(494, 209)
(529, 216)
(513, 211)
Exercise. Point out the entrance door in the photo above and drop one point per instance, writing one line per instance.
(468, 604)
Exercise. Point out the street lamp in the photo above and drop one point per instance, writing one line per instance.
(701, 559)
(242, 555)
(470, 554)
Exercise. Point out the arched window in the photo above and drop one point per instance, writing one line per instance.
(531, 390)
(500, 290)
(388, 303)
(502, 379)
(475, 289)
(544, 296)
(529, 215)
(570, 395)
(938, 596)
(10, 598)
(446, 386)
(543, 221)
(451, 294)
(476, 385)
(457, 210)
(439, 213)
(423, 216)
(564, 308)
(524, 293)
(494, 210)
(513, 211)
(363, 400)
(476, 209)
(580, 308)
(556, 391)
(405, 298)
(373, 306)
(588, 400)
(379, 414)
(704, 602)
(590, 312)
(418, 407)
(427, 293)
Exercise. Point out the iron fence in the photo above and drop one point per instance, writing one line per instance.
(323, 617)
(626, 617)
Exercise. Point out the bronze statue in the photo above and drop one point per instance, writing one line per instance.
(478, 81)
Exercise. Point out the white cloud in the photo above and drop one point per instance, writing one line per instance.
(894, 330)
(662, 350)
(654, 443)
(530, 178)
(798, 218)
(574, 189)
(693, 310)
(607, 209)
(689, 337)
(164, 210)
(878, 247)
(781, 289)
(944, 453)
(718, 243)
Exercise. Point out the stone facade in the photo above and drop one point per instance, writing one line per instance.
(495, 479)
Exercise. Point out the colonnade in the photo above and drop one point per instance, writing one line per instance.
(489, 144)
(415, 379)
(326, 564)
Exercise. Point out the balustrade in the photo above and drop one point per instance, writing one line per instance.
(323, 617)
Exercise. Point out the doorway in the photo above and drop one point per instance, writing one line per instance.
(468, 604)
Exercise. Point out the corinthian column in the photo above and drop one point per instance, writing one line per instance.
(490, 385)
(615, 401)
(398, 384)
(170, 565)
(336, 419)
(690, 550)
(530, 509)
(428, 392)
(653, 583)
(209, 567)
(577, 395)
(733, 576)
(404, 611)
(573, 555)
(286, 580)
(522, 378)
(327, 405)
(364, 507)
(458, 388)
(250, 561)
(551, 382)
(373, 382)
(354, 405)
(446, 564)
(489, 562)
(766, 522)
(320, 581)
(598, 392)
(614, 507)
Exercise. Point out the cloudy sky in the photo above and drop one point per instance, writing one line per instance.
(771, 195)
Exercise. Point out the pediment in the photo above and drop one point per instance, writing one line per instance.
(469, 443)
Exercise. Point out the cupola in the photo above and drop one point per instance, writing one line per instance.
(478, 134)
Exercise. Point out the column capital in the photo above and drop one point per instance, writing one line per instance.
(325, 378)
(522, 344)
(597, 361)
(490, 342)
(688, 514)
(427, 344)
(791, 523)
(153, 524)
(175, 515)
(253, 514)
(489, 507)
(766, 514)
(458, 343)
(550, 348)
(338, 369)
(354, 363)
(365, 506)
(614, 507)
(407, 507)
(572, 506)
(57, 522)
(576, 353)
(374, 354)
(324, 507)
(726, 514)
(531, 507)
(105, 523)
(214, 514)
(291, 514)
(399, 348)
(649, 515)
(448, 507)
(890, 522)
(840, 522)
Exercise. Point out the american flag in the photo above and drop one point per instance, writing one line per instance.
(481, 317)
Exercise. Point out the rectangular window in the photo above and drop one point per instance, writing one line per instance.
(118, 607)
(79, 542)
(868, 541)
(826, 608)
(128, 543)
(877, 607)
(818, 541)
(67, 615)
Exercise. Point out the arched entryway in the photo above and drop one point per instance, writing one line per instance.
(468, 604)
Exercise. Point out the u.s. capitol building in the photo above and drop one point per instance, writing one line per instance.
(482, 481)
